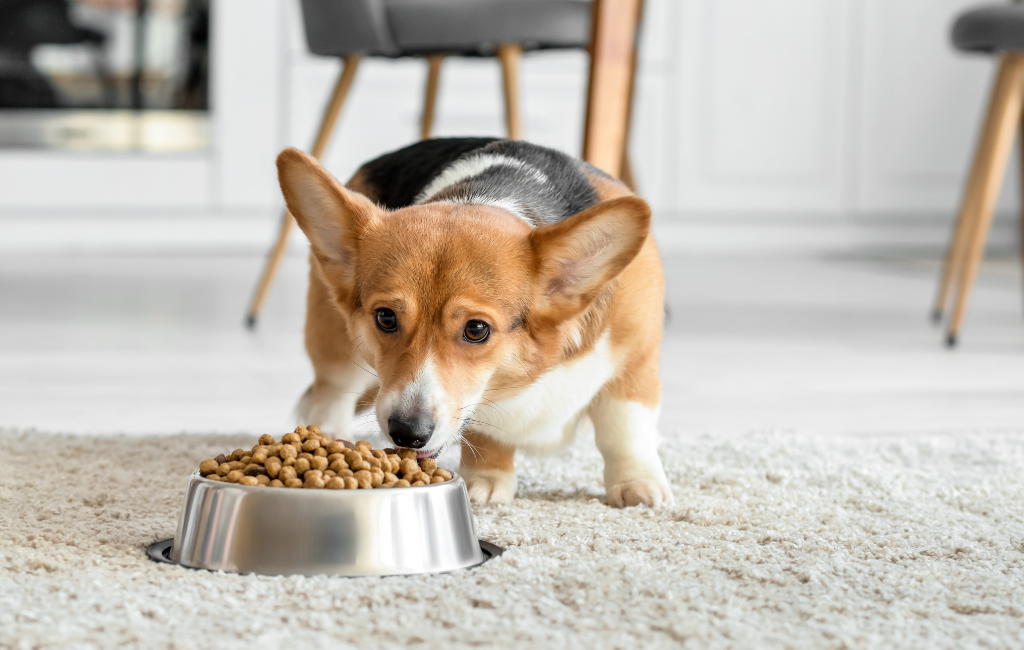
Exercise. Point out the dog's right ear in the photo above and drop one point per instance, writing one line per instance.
(331, 216)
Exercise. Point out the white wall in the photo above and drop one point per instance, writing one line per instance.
(919, 109)
(844, 106)
(819, 107)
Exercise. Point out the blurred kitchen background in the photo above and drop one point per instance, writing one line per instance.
(104, 75)
(851, 108)
(804, 159)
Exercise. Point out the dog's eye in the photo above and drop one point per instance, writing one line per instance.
(476, 331)
(386, 319)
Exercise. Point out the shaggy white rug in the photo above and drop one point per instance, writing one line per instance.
(775, 541)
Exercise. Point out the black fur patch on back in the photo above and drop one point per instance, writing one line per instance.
(400, 175)
(548, 187)
(544, 185)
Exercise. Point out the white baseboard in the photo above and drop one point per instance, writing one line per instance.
(254, 232)
(776, 234)
(142, 232)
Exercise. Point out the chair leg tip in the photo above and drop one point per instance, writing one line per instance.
(951, 341)
(937, 316)
(250, 321)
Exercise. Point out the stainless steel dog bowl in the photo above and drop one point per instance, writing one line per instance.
(277, 531)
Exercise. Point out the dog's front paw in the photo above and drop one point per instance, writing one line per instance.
(489, 485)
(647, 492)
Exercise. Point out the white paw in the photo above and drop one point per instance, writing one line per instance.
(489, 485)
(647, 492)
(333, 410)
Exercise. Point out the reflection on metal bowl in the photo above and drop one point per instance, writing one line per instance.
(280, 531)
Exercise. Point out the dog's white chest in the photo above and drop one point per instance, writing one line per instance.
(543, 417)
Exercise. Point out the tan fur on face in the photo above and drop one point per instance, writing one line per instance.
(548, 294)
(439, 266)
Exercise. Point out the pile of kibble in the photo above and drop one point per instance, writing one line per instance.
(307, 458)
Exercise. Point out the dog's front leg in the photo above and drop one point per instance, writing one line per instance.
(488, 468)
(341, 385)
(627, 436)
(334, 399)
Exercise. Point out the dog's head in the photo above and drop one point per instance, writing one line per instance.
(447, 299)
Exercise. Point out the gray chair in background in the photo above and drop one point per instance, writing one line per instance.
(997, 30)
(432, 30)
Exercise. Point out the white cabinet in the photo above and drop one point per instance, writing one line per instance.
(761, 106)
(824, 107)
(921, 109)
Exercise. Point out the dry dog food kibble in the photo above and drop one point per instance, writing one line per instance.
(309, 459)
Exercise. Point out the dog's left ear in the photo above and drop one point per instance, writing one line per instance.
(576, 258)
(332, 217)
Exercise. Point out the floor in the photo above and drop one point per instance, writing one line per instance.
(811, 342)
(875, 519)
(775, 541)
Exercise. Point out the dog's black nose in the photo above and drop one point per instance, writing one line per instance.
(410, 431)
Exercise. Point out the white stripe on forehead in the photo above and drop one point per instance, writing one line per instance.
(474, 166)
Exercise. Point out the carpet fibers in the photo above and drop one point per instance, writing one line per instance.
(775, 541)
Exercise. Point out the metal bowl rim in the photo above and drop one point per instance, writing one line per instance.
(455, 480)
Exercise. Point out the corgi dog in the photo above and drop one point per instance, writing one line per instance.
(484, 296)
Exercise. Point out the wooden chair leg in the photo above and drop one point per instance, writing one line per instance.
(349, 67)
(626, 173)
(1001, 126)
(511, 55)
(430, 96)
(967, 215)
(323, 137)
(957, 249)
(613, 36)
(270, 267)
(1020, 234)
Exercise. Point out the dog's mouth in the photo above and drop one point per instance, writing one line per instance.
(422, 453)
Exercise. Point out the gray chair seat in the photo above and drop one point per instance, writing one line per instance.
(990, 28)
(478, 26)
(467, 27)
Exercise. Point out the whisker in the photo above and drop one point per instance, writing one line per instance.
(360, 365)
(523, 365)
(483, 424)
(472, 448)
(490, 403)
(496, 407)
(350, 392)
(501, 412)
(362, 420)
(489, 390)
